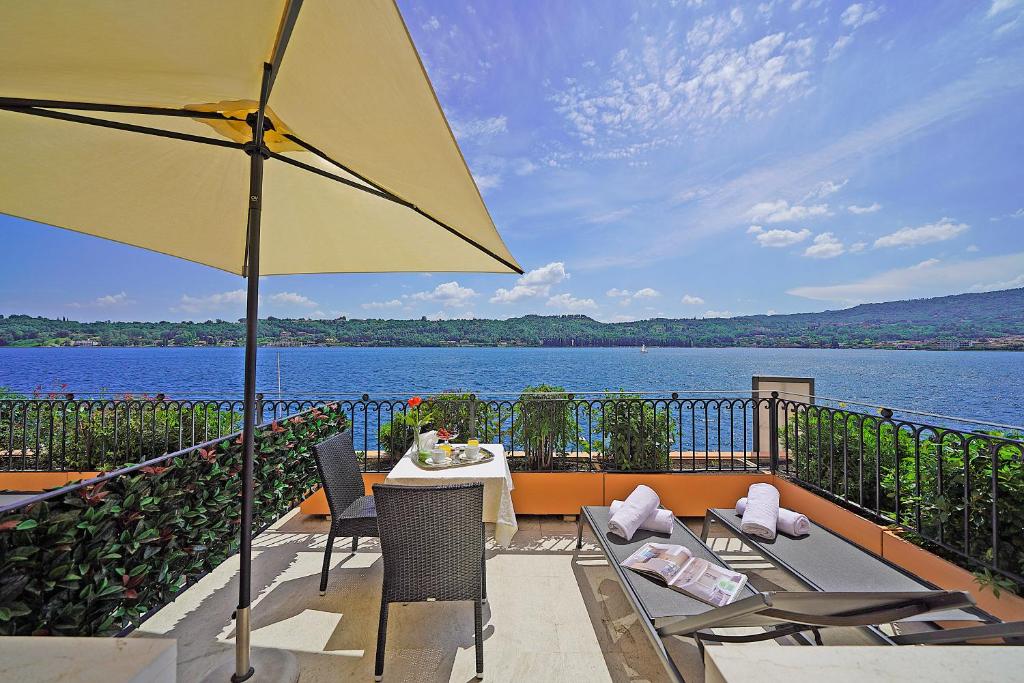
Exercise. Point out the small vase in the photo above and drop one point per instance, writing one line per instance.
(422, 446)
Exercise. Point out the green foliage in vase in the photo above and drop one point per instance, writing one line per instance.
(94, 560)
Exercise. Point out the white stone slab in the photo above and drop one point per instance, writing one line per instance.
(88, 660)
(807, 664)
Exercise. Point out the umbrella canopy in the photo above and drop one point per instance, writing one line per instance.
(255, 136)
(361, 154)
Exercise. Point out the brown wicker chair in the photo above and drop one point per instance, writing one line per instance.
(352, 513)
(432, 541)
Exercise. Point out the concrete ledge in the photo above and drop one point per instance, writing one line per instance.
(88, 660)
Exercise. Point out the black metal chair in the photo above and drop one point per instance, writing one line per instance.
(432, 541)
(352, 513)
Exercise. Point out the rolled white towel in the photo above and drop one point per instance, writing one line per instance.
(790, 522)
(637, 507)
(762, 512)
(660, 520)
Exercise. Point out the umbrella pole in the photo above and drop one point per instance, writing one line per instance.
(243, 668)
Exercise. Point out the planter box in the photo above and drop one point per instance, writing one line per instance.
(556, 493)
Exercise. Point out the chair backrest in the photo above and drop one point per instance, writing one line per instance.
(339, 471)
(432, 540)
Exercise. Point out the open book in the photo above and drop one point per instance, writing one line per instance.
(674, 566)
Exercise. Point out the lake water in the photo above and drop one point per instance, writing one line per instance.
(979, 385)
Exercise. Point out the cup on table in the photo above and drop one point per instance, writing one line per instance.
(446, 452)
(472, 451)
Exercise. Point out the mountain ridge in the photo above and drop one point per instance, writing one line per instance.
(985, 320)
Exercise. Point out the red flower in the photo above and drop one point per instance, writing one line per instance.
(297, 420)
(415, 401)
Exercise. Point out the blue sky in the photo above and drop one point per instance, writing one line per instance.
(681, 159)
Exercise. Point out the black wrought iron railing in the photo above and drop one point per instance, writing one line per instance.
(954, 486)
(540, 432)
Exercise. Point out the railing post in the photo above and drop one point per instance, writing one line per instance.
(472, 416)
(259, 408)
(773, 432)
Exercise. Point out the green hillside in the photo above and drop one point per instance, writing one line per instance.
(991, 320)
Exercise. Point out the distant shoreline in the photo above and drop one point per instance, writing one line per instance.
(266, 347)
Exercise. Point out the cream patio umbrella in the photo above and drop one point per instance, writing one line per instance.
(260, 137)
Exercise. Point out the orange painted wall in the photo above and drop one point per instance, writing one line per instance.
(556, 493)
(317, 503)
(933, 568)
(40, 481)
(687, 495)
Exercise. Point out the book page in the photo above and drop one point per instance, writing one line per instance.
(709, 582)
(666, 561)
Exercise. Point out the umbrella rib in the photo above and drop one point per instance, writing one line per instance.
(323, 155)
(130, 127)
(384, 194)
(14, 103)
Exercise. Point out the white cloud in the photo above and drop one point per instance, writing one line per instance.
(234, 299)
(870, 208)
(932, 279)
(858, 247)
(711, 31)
(826, 245)
(838, 47)
(668, 84)
(825, 188)
(780, 211)
(525, 167)
(537, 282)
(487, 181)
(1019, 213)
(293, 299)
(431, 24)
(479, 128)
(972, 248)
(105, 301)
(392, 303)
(567, 302)
(691, 300)
(754, 230)
(782, 238)
(626, 297)
(446, 294)
(858, 14)
(718, 314)
(1001, 6)
(610, 216)
(927, 263)
(940, 231)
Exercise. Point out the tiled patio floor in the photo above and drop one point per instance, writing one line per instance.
(553, 614)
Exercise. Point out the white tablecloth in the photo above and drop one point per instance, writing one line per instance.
(496, 478)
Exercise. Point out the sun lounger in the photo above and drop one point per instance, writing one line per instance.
(825, 561)
(664, 612)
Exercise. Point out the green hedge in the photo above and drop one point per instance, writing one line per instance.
(96, 559)
(936, 484)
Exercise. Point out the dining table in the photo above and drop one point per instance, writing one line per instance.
(493, 474)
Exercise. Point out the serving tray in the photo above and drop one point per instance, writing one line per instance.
(485, 456)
